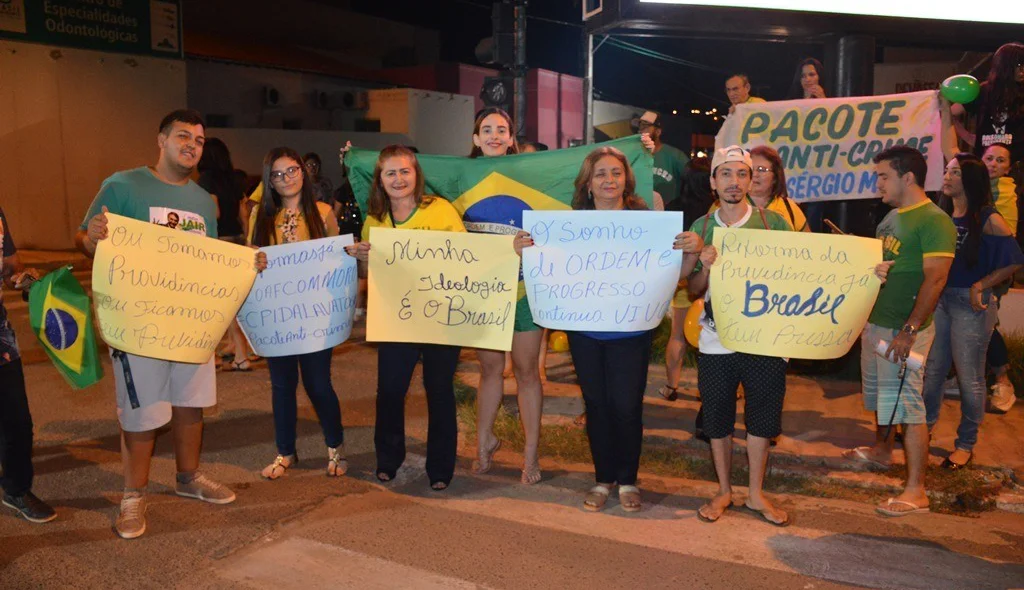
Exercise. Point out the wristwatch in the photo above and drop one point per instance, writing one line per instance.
(910, 330)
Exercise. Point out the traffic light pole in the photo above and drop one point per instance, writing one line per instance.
(519, 69)
(588, 88)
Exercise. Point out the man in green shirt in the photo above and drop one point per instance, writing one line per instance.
(918, 244)
(669, 163)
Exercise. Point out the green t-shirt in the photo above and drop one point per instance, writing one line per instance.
(669, 169)
(705, 227)
(140, 195)
(909, 235)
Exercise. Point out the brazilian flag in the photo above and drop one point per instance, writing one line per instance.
(61, 317)
(492, 193)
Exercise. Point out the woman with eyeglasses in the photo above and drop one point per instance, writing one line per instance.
(288, 212)
(986, 255)
(397, 200)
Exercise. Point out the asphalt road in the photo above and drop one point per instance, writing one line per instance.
(310, 531)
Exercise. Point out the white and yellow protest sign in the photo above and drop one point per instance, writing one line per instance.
(165, 293)
(792, 294)
(441, 288)
(827, 144)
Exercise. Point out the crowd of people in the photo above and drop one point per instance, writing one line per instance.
(947, 259)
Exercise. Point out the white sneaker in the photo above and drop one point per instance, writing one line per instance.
(131, 521)
(1002, 399)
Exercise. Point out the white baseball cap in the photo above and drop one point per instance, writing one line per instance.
(733, 153)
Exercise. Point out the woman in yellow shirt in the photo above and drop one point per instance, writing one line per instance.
(289, 213)
(397, 201)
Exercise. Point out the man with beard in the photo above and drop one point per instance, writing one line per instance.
(918, 243)
(720, 371)
(151, 392)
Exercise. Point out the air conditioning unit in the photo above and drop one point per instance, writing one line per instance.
(271, 97)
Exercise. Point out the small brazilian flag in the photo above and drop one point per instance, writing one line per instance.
(61, 317)
(492, 193)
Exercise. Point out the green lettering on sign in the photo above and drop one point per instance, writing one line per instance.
(138, 27)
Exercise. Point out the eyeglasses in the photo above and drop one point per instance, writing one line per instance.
(762, 169)
(290, 174)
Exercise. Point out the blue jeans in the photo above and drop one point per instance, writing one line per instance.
(316, 379)
(961, 339)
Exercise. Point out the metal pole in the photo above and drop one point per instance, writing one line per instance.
(519, 68)
(588, 88)
(855, 76)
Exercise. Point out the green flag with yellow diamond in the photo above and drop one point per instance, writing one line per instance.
(492, 193)
(61, 318)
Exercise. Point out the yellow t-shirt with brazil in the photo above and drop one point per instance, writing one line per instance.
(434, 213)
(1004, 197)
(290, 226)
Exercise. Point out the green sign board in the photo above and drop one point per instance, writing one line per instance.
(147, 27)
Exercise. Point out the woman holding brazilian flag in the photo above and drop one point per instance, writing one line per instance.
(491, 194)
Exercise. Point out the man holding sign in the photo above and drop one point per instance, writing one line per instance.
(152, 392)
(720, 371)
(918, 242)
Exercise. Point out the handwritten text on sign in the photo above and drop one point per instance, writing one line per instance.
(792, 294)
(827, 144)
(441, 288)
(167, 294)
(304, 301)
(602, 271)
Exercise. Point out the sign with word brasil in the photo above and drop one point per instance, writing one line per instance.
(167, 294)
(305, 299)
(603, 271)
(441, 288)
(827, 144)
(792, 294)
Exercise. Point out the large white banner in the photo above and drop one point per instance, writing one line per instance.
(304, 301)
(827, 144)
(601, 271)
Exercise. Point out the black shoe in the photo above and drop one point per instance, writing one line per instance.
(31, 507)
(953, 466)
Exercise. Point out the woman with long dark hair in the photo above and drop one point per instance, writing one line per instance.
(612, 366)
(287, 213)
(808, 80)
(998, 112)
(397, 200)
(986, 255)
(493, 136)
(217, 176)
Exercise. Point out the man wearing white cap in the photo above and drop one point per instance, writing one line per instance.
(720, 371)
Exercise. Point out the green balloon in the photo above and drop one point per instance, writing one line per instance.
(960, 89)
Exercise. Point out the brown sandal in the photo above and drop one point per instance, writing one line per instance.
(596, 498)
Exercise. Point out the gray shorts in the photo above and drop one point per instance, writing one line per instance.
(160, 385)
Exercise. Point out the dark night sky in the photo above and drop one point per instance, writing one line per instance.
(620, 75)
